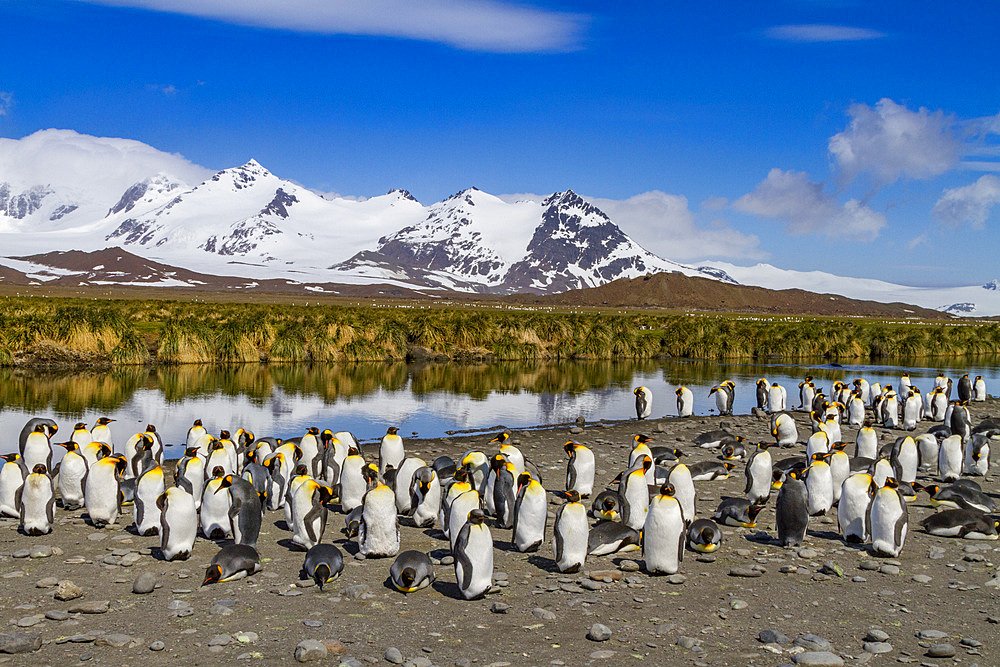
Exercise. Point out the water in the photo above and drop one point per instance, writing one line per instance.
(426, 400)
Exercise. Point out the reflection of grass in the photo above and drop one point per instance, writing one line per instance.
(121, 333)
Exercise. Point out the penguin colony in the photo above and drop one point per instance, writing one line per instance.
(225, 484)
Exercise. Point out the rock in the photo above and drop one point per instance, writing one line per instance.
(676, 579)
(21, 553)
(877, 647)
(393, 655)
(875, 635)
(811, 642)
(629, 566)
(736, 605)
(28, 621)
(602, 655)
(247, 637)
(971, 643)
(56, 615)
(773, 637)
(115, 640)
(310, 650)
(312, 623)
(599, 633)
(605, 575)
(869, 565)
(47, 582)
(144, 583)
(932, 634)
(941, 651)
(220, 640)
(687, 642)
(19, 642)
(157, 646)
(334, 647)
(576, 430)
(500, 608)
(921, 578)
(889, 569)
(808, 553)
(831, 568)
(936, 553)
(543, 614)
(95, 607)
(67, 590)
(817, 658)
(40, 552)
(745, 572)
(355, 592)
(220, 610)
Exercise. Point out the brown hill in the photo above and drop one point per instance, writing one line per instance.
(675, 291)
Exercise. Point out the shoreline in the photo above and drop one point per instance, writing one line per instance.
(706, 615)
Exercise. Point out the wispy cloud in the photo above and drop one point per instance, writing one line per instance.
(169, 89)
(970, 203)
(817, 32)
(806, 208)
(475, 25)
(6, 100)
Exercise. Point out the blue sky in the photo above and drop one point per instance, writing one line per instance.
(853, 137)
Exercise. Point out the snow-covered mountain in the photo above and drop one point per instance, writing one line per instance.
(60, 190)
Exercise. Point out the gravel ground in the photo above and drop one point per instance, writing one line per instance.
(823, 603)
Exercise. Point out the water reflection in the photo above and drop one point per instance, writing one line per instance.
(430, 399)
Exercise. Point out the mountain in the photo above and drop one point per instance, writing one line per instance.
(691, 293)
(478, 242)
(61, 191)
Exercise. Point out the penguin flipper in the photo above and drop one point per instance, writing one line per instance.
(164, 530)
(559, 546)
(680, 546)
(901, 522)
(311, 516)
(17, 501)
(140, 512)
(462, 558)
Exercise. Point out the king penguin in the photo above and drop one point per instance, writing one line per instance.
(190, 474)
(245, 510)
(390, 451)
(411, 571)
(682, 490)
(580, 469)
(856, 495)
(473, 553)
(643, 402)
(634, 493)
(888, 521)
(234, 561)
(792, 511)
(309, 512)
(178, 523)
(323, 564)
(214, 514)
(72, 473)
(378, 534)
(12, 474)
(571, 533)
(758, 475)
(663, 533)
(530, 513)
(147, 489)
(704, 536)
(35, 501)
(425, 497)
(102, 491)
(950, 458)
(685, 402)
(866, 443)
(37, 449)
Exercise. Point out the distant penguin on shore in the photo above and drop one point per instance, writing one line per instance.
(643, 402)
(685, 402)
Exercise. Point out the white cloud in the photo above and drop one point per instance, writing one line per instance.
(169, 90)
(806, 208)
(821, 33)
(6, 99)
(970, 203)
(889, 142)
(663, 224)
(475, 25)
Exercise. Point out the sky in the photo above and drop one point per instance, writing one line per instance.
(857, 138)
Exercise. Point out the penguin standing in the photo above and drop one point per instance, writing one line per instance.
(402, 484)
(234, 561)
(979, 389)
(927, 452)
(411, 571)
(777, 396)
(761, 394)
(792, 511)
(530, 513)
(178, 523)
(309, 513)
(889, 521)
(311, 455)
(866, 443)
(195, 434)
(906, 459)
(36, 501)
(81, 435)
(807, 392)
(12, 474)
(704, 536)
(72, 473)
(840, 470)
(190, 474)
(634, 493)
(504, 492)
(378, 534)
(37, 449)
(580, 469)
(663, 533)
(819, 485)
(473, 553)
(965, 388)
(758, 475)
(478, 465)
(977, 455)
(147, 489)
(323, 564)
(390, 450)
(334, 454)
(855, 409)
(961, 422)
(685, 402)
(890, 410)
(643, 402)
(682, 490)
(950, 458)
(784, 430)
(912, 408)
(818, 443)
(856, 495)
(458, 512)
(723, 397)
(425, 497)
(570, 534)
(245, 509)
(460, 485)
(102, 491)
(215, 506)
(352, 482)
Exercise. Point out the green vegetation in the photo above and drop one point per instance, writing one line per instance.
(49, 331)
